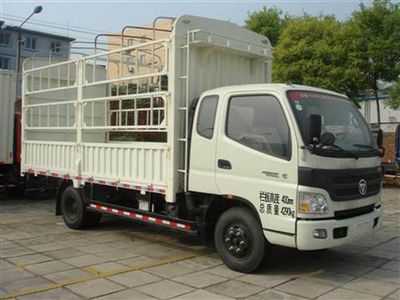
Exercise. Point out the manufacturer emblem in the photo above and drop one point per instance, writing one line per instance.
(362, 186)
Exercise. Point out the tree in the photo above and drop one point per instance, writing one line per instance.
(311, 52)
(374, 44)
(268, 22)
(348, 57)
(394, 97)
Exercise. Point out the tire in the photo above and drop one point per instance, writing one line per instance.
(73, 210)
(239, 240)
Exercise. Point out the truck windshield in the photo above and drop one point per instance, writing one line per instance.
(339, 116)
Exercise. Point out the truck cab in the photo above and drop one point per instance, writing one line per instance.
(260, 145)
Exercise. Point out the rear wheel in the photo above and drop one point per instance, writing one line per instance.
(239, 240)
(73, 210)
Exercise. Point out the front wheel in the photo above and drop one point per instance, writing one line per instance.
(74, 212)
(239, 240)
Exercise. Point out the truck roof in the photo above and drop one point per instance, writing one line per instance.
(279, 87)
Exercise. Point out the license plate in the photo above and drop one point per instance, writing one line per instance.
(362, 228)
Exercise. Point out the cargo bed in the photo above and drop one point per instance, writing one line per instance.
(120, 118)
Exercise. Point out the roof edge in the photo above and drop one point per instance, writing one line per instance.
(42, 33)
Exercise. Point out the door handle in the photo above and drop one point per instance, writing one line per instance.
(224, 164)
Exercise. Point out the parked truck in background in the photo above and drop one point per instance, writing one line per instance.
(9, 129)
(186, 132)
(10, 144)
(390, 120)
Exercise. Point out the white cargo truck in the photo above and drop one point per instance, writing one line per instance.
(186, 132)
(7, 103)
(7, 121)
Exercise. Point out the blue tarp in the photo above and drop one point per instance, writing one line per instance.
(398, 144)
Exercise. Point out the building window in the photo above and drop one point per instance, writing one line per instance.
(30, 43)
(55, 47)
(142, 59)
(4, 38)
(130, 62)
(130, 42)
(4, 63)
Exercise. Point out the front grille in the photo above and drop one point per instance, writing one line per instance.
(342, 185)
(350, 213)
(347, 187)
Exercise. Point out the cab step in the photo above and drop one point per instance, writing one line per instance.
(181, 225)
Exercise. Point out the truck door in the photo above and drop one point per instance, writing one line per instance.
(257, 162)
(203, 147)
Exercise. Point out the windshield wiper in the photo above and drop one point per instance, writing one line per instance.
(344, 151)
(313, 149)
(376, 151)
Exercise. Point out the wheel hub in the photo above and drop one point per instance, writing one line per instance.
(236, 241)
(71, 209)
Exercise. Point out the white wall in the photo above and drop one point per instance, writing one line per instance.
(368, 110)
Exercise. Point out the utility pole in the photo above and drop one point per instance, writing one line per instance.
(37, 10)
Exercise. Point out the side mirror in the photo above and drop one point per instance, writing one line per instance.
(314, 131)
(379, 138)
(327, 139)
(382, 152)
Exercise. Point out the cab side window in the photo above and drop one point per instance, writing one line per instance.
(206, 118)
(258, 122)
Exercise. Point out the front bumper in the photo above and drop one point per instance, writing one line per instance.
(339, 232)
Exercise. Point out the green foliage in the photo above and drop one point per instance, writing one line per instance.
(375, 42)
(347, 57)
(310, 52)
(123, 89)
(374, 45)
(268, 22)
(394, 97)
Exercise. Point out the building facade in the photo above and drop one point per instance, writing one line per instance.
(130, 64)
(34, 43)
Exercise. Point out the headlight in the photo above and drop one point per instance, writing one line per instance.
(311, 203)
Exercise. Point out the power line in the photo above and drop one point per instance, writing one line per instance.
(52, 26)
(90, 30)
(77, 37)
(60, 27)
(89, 37)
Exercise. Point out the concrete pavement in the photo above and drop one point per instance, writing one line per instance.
(40, 258)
